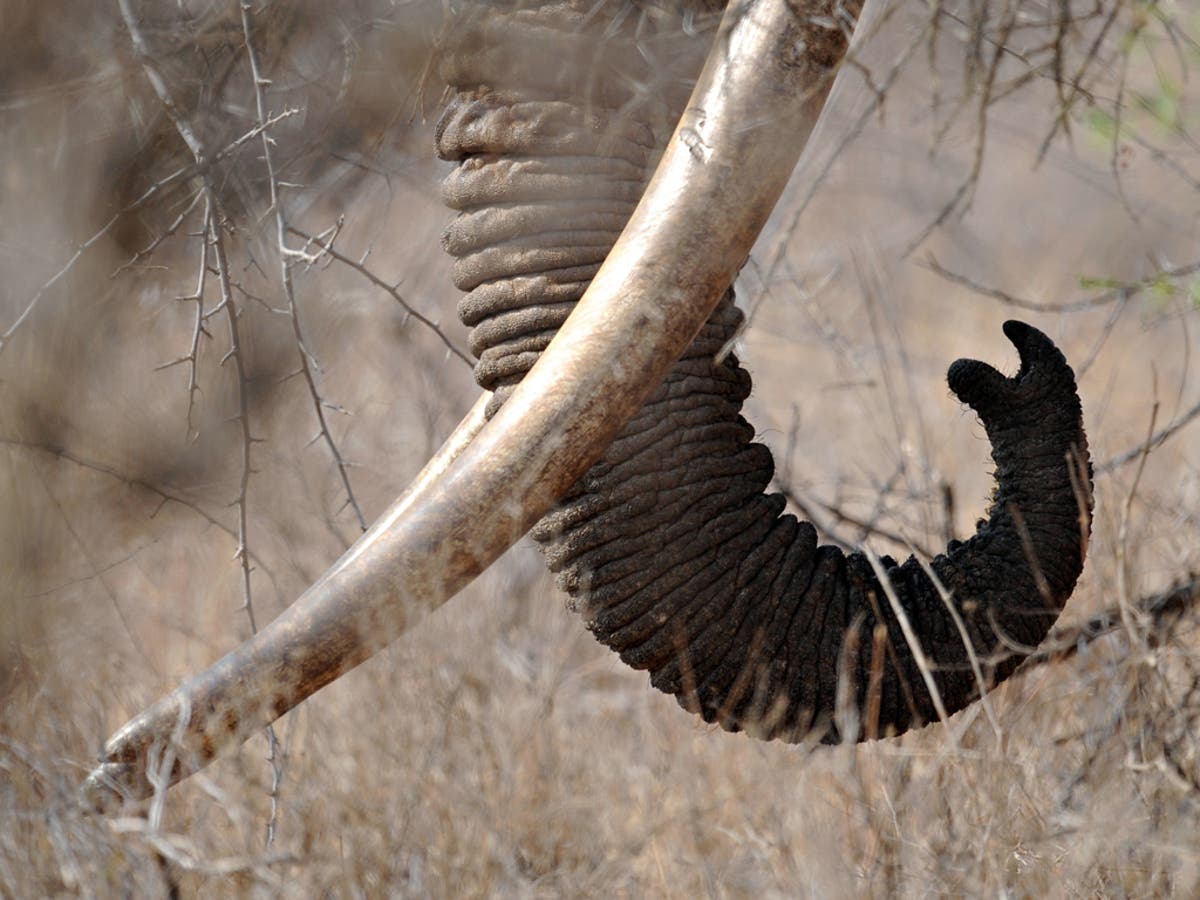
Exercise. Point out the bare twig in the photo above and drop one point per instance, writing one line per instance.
(228, 306)
(164, 495)
(192, 358)
(308, 362)
(243, 554)
(1158, 611)
(179, 175)
(1128, 617)
(914, 643)
(963, 196)
(879, 94)
(1151, 443)
(161, 237)
(327, 249)
(1076, 82)
(69, 525)
(1115, 291)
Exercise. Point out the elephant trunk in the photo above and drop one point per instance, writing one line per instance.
(669, 546)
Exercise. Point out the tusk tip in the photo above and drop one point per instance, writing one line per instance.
(110, 785)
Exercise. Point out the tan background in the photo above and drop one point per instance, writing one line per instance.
(497, 749)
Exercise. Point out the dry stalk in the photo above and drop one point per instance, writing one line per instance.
(914, 644)
(1128, 617)
(961, 626)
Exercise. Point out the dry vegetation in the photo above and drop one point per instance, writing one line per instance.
(496, 749)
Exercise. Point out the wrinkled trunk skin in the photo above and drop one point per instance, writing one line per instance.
(669, 546)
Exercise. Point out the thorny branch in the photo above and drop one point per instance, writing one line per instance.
(308, 362)
(194, 169)
(192, 358)
(212, 230)
(164, 235)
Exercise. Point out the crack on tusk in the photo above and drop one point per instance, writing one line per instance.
(696, 146)
(690, 136)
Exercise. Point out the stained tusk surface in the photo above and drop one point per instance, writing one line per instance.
(729, 159)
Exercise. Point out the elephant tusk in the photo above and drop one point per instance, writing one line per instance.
(729, 159)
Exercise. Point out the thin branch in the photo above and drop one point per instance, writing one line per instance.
(161, 237)
(1153, 442)
(307, 360)
(91, 576)
(876, 104)
(243, 414)
(1158, 611)
(69, 525)
(1076, 82)
(164, 495)
(1115, 292)
(327, 249)
(192, 358)
(176, 177)
(808, 510)
(963, 197)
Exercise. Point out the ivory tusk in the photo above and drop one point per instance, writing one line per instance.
(728, 161)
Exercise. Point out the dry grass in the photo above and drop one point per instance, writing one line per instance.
(496, 750)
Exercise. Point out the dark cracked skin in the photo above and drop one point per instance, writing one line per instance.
(669, 546)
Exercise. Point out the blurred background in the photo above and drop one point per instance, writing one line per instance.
(978, 162)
